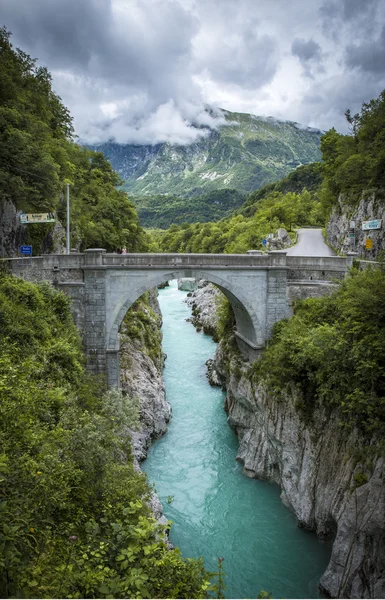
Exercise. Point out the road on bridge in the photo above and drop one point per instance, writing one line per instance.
(310, 243)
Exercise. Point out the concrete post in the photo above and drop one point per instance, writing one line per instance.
(350, 258)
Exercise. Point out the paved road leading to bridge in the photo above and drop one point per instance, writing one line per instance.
(310, 243)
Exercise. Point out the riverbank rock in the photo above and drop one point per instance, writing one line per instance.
(281, 240)
(187, 284)
(322, 481)
(141, 377)
(203, 303)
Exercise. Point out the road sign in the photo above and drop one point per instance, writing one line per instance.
(37, 218)
(352, 225)
(369, 244)
(375, 224)
(264, 242)
(351, 235)
(26, 250)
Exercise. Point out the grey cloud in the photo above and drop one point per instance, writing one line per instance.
(358, 16)
(138, 59)
(142, 70)
(310, 55)
(368, 56)
(326, 108)
(306, 50)
(249, 61)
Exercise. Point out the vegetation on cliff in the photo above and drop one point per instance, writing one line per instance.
(74, 517)
(332, 352)
(38, 157)
(356, 162)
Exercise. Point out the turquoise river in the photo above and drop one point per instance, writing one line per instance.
(216, 511)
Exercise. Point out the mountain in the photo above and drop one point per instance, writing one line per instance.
(243, 154)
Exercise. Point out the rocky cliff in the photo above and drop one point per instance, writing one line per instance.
(141, 371)
(321, 480)
(371, 205)
(141, 364)
(329, 489)
(203, 302)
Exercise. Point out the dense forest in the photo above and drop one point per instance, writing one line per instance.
(162, 211)
(38, 156)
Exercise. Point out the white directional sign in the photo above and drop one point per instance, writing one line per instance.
(37, 218)
(375, 224)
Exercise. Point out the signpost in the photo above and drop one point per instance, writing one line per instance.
(369, 244)
(374, 224)
(264, 242)
(37, 218)
(25, 250)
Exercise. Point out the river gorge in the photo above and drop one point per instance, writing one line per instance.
(215, 509)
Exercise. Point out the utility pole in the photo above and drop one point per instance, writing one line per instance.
(68, 245)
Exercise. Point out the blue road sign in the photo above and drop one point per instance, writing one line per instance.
(264, 242)
(26, 250)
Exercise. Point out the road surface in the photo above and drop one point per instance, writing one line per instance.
(310, 243)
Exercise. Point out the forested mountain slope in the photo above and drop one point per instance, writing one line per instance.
(243, 154)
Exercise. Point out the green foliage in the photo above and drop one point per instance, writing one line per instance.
(163, 210)
(38, 157)
(74, 515)
(240, 233)
(359, 479)
(306, 177)
(332, 353)
(356, 162)
(219, 587)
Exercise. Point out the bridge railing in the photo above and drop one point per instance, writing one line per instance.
(144, 260)
(100, 259)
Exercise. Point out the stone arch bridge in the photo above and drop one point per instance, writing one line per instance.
(103, 286)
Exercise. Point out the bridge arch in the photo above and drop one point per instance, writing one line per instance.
(249, 327)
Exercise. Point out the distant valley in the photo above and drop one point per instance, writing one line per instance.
(240, 156)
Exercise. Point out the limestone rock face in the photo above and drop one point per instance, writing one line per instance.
(187, 284)
(11, 232)
(319, 477)
(281, 240)
(204, 304)
(371, 206)
(142, 378)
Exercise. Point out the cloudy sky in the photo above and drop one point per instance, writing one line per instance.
(142, 71)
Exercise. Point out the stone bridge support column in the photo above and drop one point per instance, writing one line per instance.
(277, 303)
(95, 311)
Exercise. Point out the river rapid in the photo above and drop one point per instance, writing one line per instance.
(216, 510)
